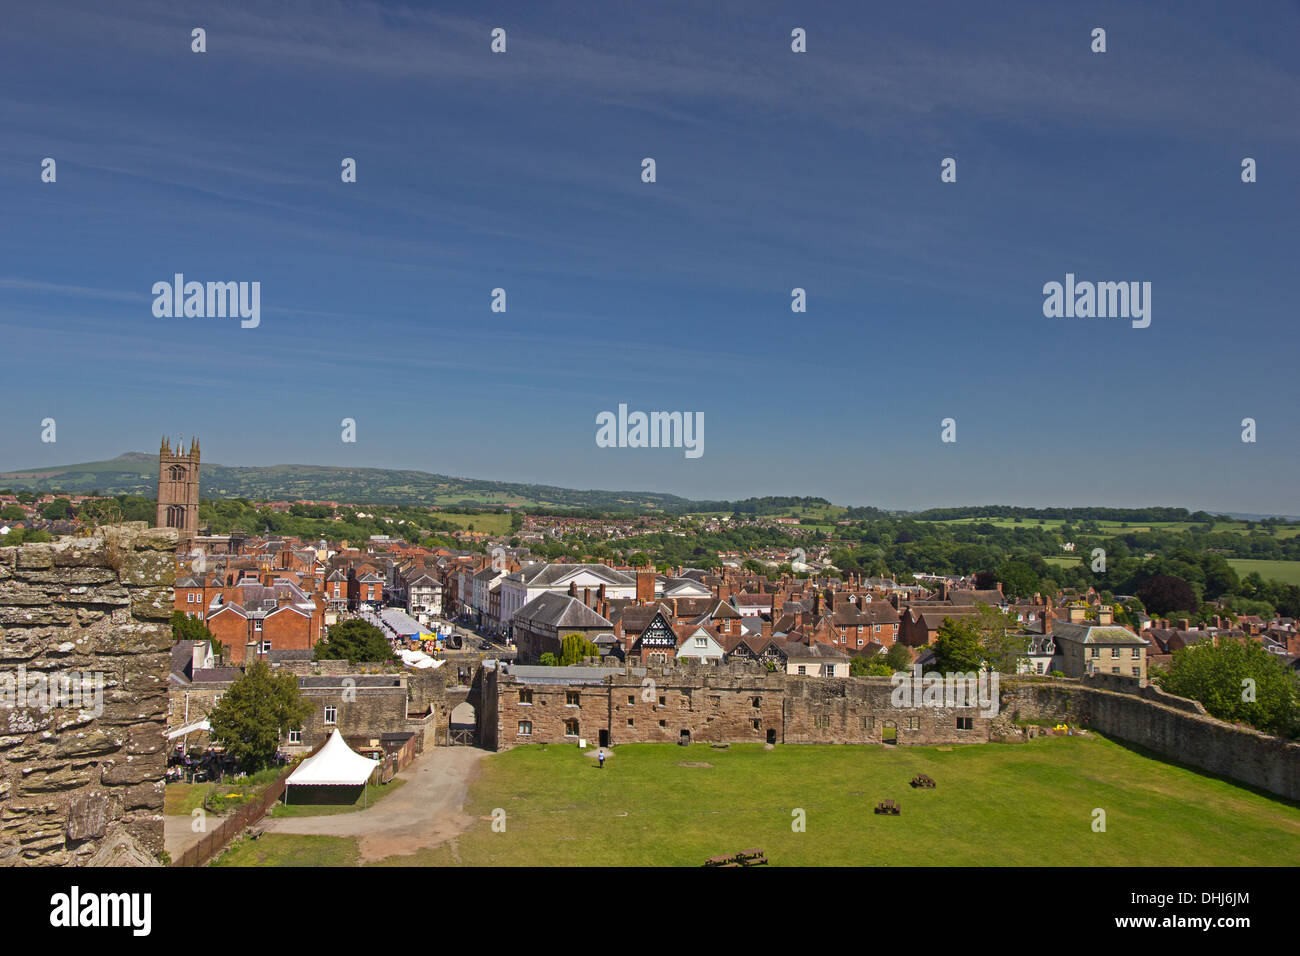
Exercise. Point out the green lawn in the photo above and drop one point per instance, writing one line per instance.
(373, 794)
(282, 849)
(184, 798)
(1288, 572)
(1026, 804)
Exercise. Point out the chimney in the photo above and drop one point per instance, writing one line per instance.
(778, 600)
(600, 593)
(1105, 615)
(817, 604)
(1077, 613)
(1185, 624)
(767, 628)
(1048, 616)
(573, 589)
(724, 592)
(645, 587)
(586, 597)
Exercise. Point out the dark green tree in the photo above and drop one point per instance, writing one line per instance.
(575, 648)
(898, 658)
(1237, 682)
(355, 641)
(253, 715)
(957, 647)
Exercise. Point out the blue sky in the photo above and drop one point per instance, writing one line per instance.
(775, 170)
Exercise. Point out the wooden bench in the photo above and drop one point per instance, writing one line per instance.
(923, 781)
(889, 807)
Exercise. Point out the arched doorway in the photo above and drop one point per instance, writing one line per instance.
(462, 725)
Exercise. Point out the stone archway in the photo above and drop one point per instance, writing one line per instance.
(462, 725)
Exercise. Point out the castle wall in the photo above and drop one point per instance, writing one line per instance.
(73, 778)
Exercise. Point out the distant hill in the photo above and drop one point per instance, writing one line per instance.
(136, 473)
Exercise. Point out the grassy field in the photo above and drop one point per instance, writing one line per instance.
(491, 523)
(995, 805)
(1288, 572)
(278, 849)
(1118, 527)
(184, 798)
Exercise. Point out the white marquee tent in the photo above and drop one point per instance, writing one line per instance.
(334, 765)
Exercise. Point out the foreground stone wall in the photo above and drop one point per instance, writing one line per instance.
(1172, 727)
(80, 777)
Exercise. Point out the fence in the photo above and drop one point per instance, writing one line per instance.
(230, 827)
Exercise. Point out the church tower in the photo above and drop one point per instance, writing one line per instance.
(178, 488)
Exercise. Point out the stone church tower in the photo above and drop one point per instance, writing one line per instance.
(178, 488)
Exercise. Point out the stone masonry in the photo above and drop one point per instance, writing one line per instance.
(81, 773)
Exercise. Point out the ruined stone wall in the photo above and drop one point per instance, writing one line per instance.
(78, 780)
(858, 710)
(1167, 725)
(651, 705)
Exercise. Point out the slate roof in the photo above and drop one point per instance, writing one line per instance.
(559, 611)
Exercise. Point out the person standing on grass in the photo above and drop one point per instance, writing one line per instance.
(600, 757)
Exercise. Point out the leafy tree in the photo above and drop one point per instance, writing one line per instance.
(1165, 592)
(575, 648)
(186, 628)
(1003, 644)
(253, 714)
(12, 513)
(958, 647)
(1018, 579)
(549, 660)
(861, 666)
(354, 641)
(60, 509)
(898, 658)
(1217, 677)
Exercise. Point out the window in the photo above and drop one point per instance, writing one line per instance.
(663, 723)
(1039, 666)
(965, 723)
(868, 723)
(1096, 652)
(755, 723)
(663, 701)
(295, 736)
(701, 642)
(631, 699)
(257, 625)
(914, 723)
(828, 670)
(570, 728)
(1114, 670)
(525, 728)
(1137, 672)
(821, 720)
(629, 721)
(331, 715)
(756, 701)
(526, 696)
(572, 698)
(266, 647)
(802, 669)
